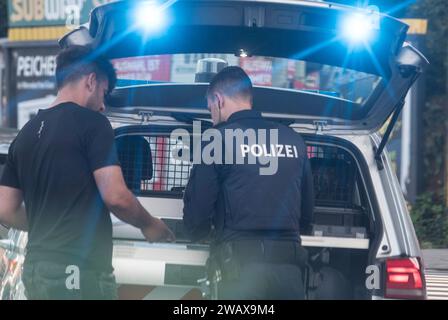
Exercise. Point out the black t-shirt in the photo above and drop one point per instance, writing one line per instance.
(52, 161)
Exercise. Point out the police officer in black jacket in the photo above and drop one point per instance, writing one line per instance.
(254, 201)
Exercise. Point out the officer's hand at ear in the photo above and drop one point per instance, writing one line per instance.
(158, 231)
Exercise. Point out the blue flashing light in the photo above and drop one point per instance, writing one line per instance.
(357, 28)
(150, 17)
(362, 26)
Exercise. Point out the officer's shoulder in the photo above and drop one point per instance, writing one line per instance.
(281, 126)
(226, 125)
(287, 130)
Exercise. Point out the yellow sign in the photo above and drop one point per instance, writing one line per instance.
(416, 26)
(47, 19)
(39, 33)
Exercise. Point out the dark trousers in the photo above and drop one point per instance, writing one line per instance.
(260, 269)
(262, 281)
(49, 281)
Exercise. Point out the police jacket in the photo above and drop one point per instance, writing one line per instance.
(266, 192)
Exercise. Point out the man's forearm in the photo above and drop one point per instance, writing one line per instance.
(131, 211)
(17, 220)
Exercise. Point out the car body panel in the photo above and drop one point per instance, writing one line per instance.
(178, 266)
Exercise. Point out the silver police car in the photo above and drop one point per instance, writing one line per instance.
(335, 74)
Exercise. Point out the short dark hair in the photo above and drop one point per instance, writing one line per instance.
(77, 61)
(233, 82)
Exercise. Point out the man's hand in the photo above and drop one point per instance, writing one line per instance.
(158, 231)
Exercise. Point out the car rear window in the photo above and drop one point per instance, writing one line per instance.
(169, 175)
(294, 74)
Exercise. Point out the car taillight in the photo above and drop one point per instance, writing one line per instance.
(404, 279)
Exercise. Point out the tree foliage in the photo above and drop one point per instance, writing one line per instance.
(435, 113)
(431, 221)
(436, 11)
(430, 213)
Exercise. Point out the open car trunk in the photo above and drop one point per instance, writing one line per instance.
(296, 30)
(339, 244)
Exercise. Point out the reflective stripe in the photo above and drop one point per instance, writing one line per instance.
(133, 292)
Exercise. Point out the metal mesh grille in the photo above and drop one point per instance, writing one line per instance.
(158, 171)
(170, 174)
(333, 175)
(333, 170)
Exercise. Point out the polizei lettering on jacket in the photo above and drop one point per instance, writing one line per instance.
(249, 146)
(272, 150)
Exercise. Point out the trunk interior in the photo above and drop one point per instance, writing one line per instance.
(342, 236)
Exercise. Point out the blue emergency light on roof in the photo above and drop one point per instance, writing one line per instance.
(149, 16)
(360, 27)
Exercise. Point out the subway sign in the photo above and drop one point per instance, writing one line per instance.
(32, 13)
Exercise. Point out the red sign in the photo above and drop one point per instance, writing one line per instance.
(310, 82)
(151, 68)
(258, 69)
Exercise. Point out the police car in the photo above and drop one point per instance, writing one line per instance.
(333, 73)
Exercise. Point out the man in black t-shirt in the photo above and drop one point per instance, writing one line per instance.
(63, 165)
